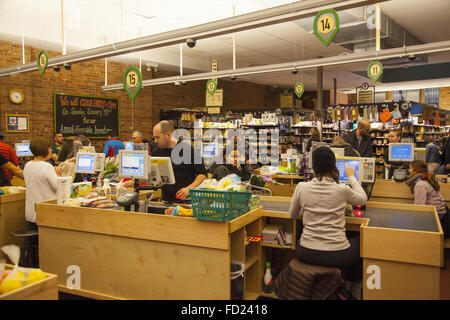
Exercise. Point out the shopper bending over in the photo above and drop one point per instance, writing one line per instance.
(234, 164)
(321, 204)
(425, 187)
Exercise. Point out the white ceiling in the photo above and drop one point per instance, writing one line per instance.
(91, 24)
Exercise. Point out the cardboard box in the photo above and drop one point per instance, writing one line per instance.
(280, 189)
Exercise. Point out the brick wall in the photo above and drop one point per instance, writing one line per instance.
(83, 78)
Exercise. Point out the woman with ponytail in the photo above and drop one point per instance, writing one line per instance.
(425, 187)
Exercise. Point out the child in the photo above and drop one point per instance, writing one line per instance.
(321, 204)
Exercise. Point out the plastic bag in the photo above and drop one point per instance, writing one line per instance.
(231, 181)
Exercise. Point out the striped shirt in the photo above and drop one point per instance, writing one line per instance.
(8, 152)
(424, 193)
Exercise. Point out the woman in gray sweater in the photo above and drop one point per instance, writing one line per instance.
(321, 204)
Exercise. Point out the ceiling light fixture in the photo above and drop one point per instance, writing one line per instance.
(284, 13)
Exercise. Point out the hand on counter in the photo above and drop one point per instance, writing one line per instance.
(58, 171)
(183, 193)
(387, 165)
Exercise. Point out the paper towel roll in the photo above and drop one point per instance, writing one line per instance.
(63, 189)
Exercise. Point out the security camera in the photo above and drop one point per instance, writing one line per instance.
(412, 57)
(191, 42)
(179, 83)
(56, 68)
(233, 77)
(295, 71)
(67, 66)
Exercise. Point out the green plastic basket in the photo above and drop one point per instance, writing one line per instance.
(219, 205)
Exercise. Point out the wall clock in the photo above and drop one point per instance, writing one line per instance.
(16, 96)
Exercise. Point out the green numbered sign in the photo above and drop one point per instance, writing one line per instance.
(132, 81)
(42, 61)
(211, 86)
(326, 26)
(375, 70)
(299, 88)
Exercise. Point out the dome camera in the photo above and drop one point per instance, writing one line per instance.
(412, 57)
(191, 42)
(56, 68)
(233, 77)
(67, 66)
(295, 71)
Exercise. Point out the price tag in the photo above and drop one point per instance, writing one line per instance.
(254, 238)
(299, 89)
(326, 26)
(211, 86)
(42, 61)
(132, 81)
(375, 70)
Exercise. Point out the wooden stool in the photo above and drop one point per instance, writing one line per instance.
(302, 281)
(29, 252)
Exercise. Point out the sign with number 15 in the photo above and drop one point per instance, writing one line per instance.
(132, 81)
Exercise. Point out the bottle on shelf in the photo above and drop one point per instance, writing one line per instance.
(268, 279)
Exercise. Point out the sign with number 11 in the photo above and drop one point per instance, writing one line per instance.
(375, 70)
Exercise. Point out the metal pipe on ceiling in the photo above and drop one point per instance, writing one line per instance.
(257, 19)
(305, 64)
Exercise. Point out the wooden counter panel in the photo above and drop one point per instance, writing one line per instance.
(418, 247)
(12, 218)
(6, 198)
(402, 281)
(182, 230)
(133, 268)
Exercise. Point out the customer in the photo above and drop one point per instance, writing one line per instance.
(394, 136)
(433, 156)
(425, 187)
(235, 163)
(40, 179)
(187, 174)
(321, 204)
(6, 165)
(58, 138)
(113, 145)
(349, 151)
(315, 136)
(138, 137)
(360, 139)
(10, 154)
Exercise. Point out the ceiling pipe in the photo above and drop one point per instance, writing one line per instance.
(305, 64)
(257, 19)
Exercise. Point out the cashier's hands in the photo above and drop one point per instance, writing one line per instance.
(349, 171)
(182, 193)
(58, 171)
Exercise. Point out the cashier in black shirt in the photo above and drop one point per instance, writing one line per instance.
(5, 164)
(187, 175)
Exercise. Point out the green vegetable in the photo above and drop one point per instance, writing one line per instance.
(257, 181)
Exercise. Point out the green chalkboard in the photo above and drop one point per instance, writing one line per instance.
(93, 116)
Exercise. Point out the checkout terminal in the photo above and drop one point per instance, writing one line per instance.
(401, 153)
(137, 164)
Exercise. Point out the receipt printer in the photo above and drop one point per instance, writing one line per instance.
(274, 234)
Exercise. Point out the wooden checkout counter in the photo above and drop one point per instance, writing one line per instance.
(132, 255)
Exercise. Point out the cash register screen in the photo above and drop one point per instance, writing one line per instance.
(85, 163)
(340, 164)
(209, 149)
(132, 164)
(23, 150)
(401, 152)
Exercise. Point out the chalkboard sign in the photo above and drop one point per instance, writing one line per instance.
(93, 116)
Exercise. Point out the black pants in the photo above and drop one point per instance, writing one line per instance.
(347, 260)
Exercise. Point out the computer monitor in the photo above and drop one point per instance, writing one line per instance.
(23, 150)
(209, 150)
(128, 145)
(161, 170)
(401, 152)
(88, 162)
(364, 168)
(140, 146)
(338, 152)
(90, 149)
(133, 164)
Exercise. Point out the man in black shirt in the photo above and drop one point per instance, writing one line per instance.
(188, 174)
(360, 139)
(5, 164)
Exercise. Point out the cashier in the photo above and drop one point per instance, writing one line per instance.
(187, 175)
(394, 136)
